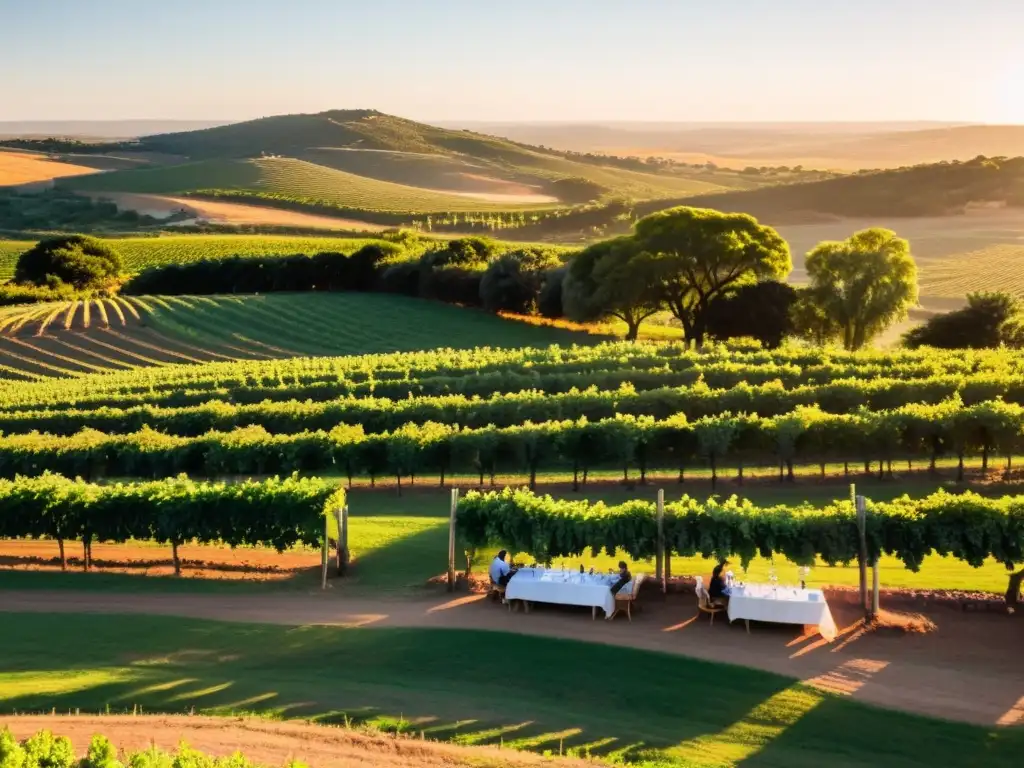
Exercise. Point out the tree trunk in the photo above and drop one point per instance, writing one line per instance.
(442, 476)
(714, 471)
(682, 474)
(822, 466)
(960, 466)
(481, 477)
(932, 461)
(782, 470)
(575, 476)
(175, 559)
(1013, 590)
(888, 468)
(881, 469)
(1009, 468)
(625, 474)
(373, 480)
(846, 469)
(632, 330)
(533, 477)
(867, 466)
(789, 471)
(984, 459)
(585, 473)
(739, 474)
(86, 559)
(63, 556)
(412, 478)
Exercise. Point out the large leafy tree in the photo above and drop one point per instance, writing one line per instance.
(697, 253)
(613, 278)
(988, 320)
(863, 284)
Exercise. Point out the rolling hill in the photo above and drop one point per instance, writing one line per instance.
(366, 159)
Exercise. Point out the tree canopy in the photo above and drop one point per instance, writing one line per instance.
(512, 282)
(77, 260)
(696, 253)
(988, 320)
(613, 278)
(863, 284)
(759, 311)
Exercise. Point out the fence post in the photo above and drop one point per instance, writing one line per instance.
(323, 552)
(874, 590)
(343, 554)
(861, 505)
(451, 540)
(660, 552)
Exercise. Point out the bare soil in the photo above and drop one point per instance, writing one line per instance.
(273, 743)
(967, 669)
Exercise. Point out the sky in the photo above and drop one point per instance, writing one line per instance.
(515, 60)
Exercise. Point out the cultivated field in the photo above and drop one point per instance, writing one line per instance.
(17, 168)
(138, 253)
(132, 331)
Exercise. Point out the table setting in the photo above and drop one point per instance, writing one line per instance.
(562, 586)
(780, 604)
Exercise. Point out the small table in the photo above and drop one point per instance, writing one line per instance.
(538, 585)
(782, 605)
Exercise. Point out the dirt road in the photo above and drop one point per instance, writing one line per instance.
(969, 669)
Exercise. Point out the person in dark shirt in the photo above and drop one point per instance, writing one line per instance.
(624, 578)
(716, 590)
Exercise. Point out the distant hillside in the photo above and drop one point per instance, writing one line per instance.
(927, 190)
(813, 145)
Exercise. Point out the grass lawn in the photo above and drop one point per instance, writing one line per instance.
(612, 702)
(400, 542)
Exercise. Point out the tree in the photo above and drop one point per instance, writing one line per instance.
(760, 311)
(612, 278)
(863, 284)
(988, 320)
(697, 253)
(512, 282)
(810, 321)
(83, 262)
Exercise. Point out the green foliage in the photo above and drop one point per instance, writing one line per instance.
(101, 754)
(278, 513)
(512, 282)
(863, 284)
(965, 526)
(988, 320)
(761, 311)
(613, 278)
(42, 750)
(82, 262)
(696, 254)
(12, 754)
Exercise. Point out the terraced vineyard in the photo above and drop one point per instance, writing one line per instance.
(71, 339)
(139, 253)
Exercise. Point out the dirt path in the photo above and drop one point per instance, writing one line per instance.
(273, 744)
(969, 669)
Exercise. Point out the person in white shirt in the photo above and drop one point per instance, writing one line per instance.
(500, 571)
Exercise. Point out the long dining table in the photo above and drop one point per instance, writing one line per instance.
(561, 587)
(782, 605)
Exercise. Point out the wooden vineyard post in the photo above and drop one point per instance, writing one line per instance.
(343, 554)
(451, 539)
(659, 573)
(861, 506)
(323, 552)
(874, 590)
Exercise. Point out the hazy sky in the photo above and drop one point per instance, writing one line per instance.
(561, 60)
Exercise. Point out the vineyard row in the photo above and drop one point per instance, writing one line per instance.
(806, 435)
(966, 526)
(792, 366)
(379, 414)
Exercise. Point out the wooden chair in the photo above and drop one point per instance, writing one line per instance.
(628, 598)
(704, 604)
(497, 592)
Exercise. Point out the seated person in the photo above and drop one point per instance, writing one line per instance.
(624, 578)
(500, 571)
(716, 590)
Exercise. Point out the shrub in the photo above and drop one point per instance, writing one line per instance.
(77, 260)
(402, 278)
(12, 754)
(42, 750)
(549, 300)
(761, 311)
(512, 282)
(988, 320)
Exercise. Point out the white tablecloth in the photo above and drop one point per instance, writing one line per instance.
(563, 588)
(782, 605)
